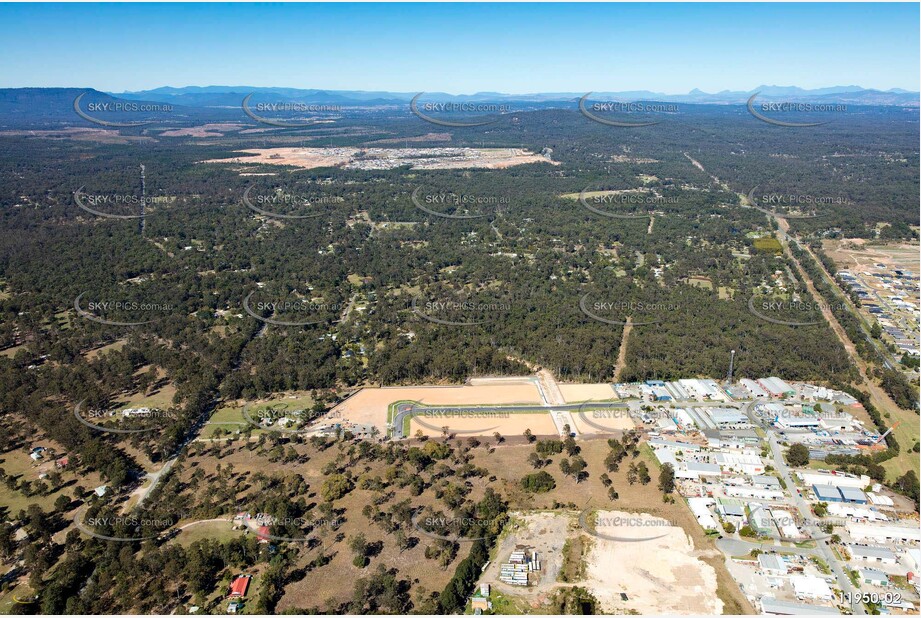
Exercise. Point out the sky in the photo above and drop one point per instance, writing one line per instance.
(461, 48)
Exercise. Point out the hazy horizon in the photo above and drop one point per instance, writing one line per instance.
(463, 48)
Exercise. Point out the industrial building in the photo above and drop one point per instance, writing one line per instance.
(871, 553)
(827, 493)
(754, 389)
(766, 482)
(810, 587)
(838, 479)
(741, 463)
(853, 495)
(772, 564)
(776, 607)
(874, 577)
(726, 416)
(884, 534)
(702, 513)
(776, 387)
(830, 493)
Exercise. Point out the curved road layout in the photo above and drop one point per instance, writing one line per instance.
(408, 410)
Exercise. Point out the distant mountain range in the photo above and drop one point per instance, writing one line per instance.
(36, 106)
(219, 96)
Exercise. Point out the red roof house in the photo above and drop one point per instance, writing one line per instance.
(239, 586)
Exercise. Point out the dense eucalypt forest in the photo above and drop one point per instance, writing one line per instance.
(211, 297)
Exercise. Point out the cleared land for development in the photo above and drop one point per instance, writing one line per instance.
(389, 158)
(577, 393)
(601, 422)
(659, 576)
(369, 406)
(512, 424)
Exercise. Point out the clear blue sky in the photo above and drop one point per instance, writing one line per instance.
(461, 48)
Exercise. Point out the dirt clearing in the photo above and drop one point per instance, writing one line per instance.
(369, 405)
(659, 576)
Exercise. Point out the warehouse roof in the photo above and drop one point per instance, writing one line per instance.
(826, 492)
(852, 493)
(770, 605)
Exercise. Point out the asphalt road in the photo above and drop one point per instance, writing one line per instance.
(822, 547)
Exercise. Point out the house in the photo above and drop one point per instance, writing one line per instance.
(101, 490)
(480, 603)
(239, 586)
(234, 606)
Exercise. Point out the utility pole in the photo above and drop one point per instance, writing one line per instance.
(142, 223)
(732, 357)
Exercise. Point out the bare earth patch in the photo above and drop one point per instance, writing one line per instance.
(509, 425)
(389, 158)
(575, 393)
(659, 576)
(369, 405)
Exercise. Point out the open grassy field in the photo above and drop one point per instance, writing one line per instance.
(231, 418)
(19, 465)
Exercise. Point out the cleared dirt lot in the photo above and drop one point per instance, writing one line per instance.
(369, 405)
(509, 464)
(388, 158)
(659, 576)
(590, 422)
(574, 393)
(505, 424)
